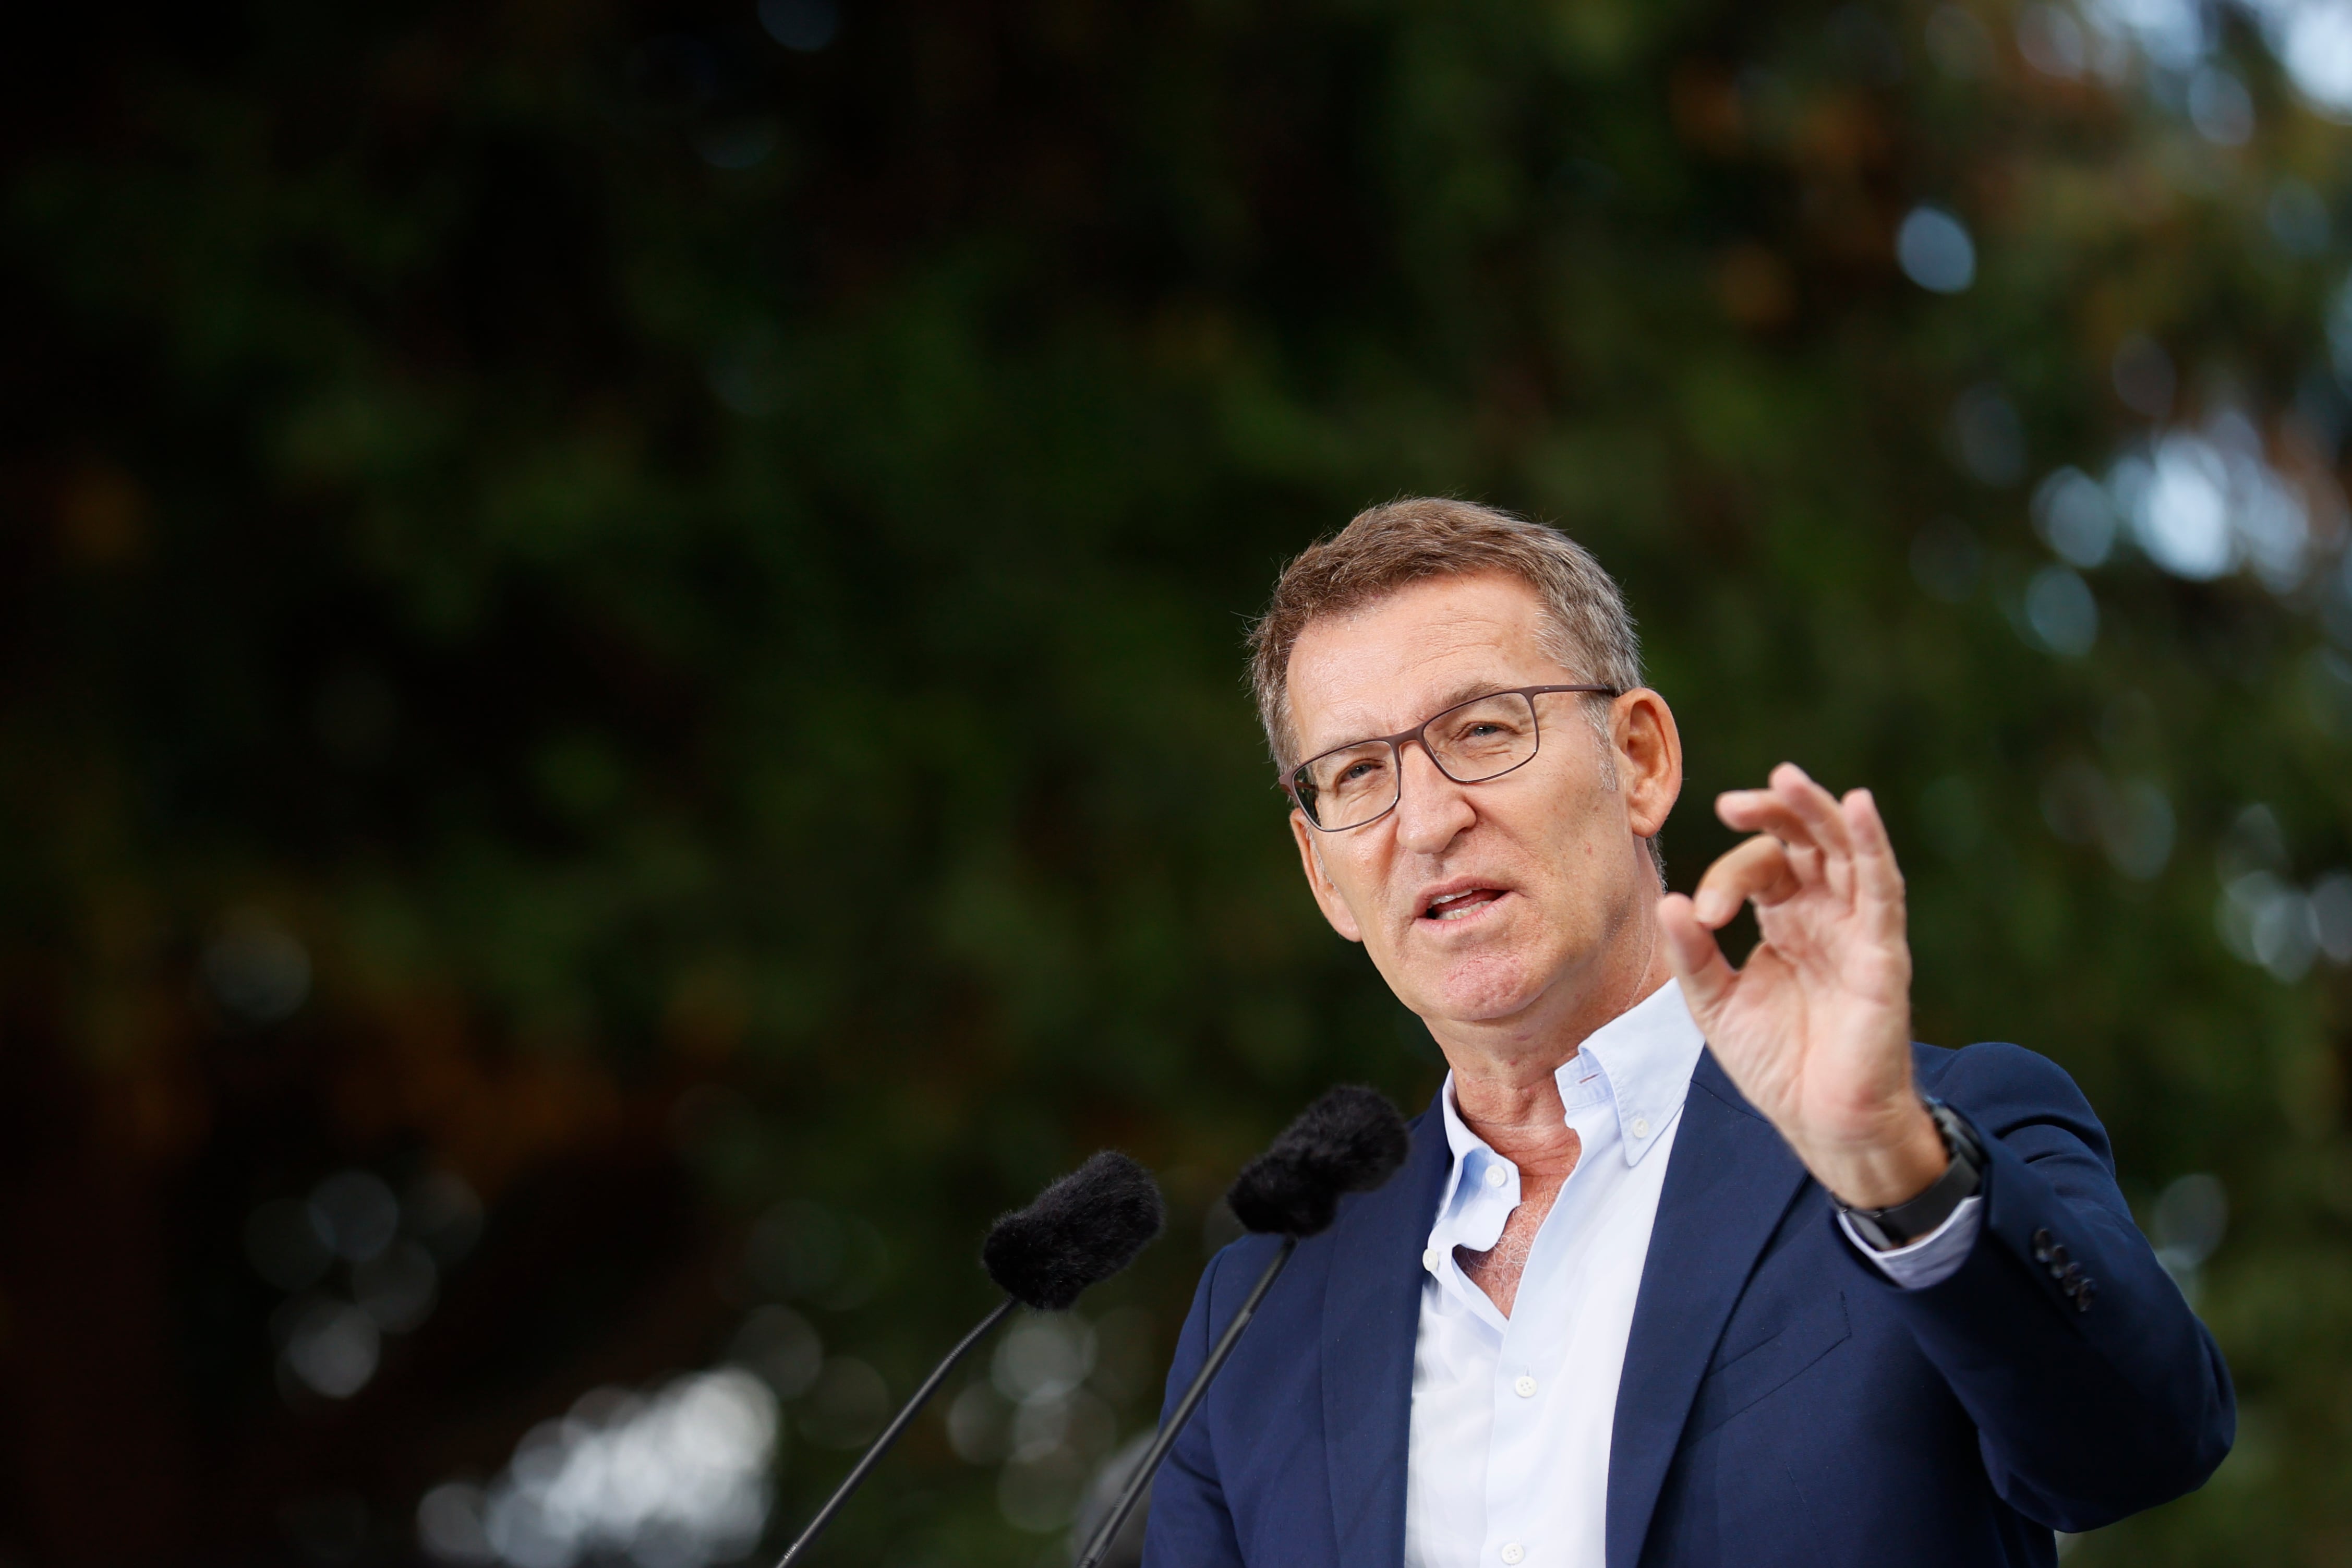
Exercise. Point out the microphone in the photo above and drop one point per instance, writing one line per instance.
(1351, 1141)
(1080, 1231)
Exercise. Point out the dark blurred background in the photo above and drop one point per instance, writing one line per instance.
(620, 707)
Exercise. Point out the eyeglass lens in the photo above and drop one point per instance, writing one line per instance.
(1480, 740)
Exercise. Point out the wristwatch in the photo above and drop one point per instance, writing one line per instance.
(1886, 1229)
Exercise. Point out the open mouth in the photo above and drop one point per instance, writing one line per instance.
(1461, 906)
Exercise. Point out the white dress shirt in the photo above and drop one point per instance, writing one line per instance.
(1507, 1458)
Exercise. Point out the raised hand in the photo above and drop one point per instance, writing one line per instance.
(1816, 1029)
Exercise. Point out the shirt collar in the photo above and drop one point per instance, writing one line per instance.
(1647, 1053)
(1644, 1057)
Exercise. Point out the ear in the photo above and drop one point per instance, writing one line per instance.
(1649, 759)
(1319, 881)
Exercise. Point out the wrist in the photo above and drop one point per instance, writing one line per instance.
(1890, 1171)
(1888, 1227)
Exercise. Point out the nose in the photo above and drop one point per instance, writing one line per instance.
(1432, 810)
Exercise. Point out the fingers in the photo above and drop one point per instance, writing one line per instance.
(1758, 869)
(1806, 819)
(1814, 806)
(1706, 976)
(1875, 872)
(1791, 809)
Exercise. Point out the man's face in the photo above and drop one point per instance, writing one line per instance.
(1481, 903)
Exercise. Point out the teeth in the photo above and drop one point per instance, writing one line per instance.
(1438, 910)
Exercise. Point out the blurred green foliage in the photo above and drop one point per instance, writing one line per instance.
(652, 618)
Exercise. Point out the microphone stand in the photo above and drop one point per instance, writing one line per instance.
(1106, 1533)
(890, 1433)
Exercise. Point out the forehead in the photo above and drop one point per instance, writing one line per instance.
(1391, 663)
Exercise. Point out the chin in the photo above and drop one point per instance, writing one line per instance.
(1479, 990)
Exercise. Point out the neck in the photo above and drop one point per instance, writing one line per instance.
(1504, 1071)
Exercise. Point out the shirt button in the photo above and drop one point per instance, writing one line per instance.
(1429, 1260)
(1641, 1127)
(1526, 1387)
(1513, 1552)
(1494, 1176)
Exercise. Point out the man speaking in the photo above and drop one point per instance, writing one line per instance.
(1689, 1265)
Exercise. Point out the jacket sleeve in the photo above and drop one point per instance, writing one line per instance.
(1189, 1525)
(2095, 1390)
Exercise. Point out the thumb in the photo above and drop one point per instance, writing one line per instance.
(1706, 976)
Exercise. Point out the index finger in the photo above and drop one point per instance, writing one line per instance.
(1758, 868)
(1791, 809)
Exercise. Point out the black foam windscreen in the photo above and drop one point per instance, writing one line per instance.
(1081, 1231)
(1351, 1141)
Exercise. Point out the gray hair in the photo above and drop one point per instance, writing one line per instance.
(1585, 628)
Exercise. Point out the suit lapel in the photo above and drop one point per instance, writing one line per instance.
(1372, 1311)
(1730, 1179)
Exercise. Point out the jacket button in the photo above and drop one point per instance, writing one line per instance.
(2083, 1291)
(2041, 1245)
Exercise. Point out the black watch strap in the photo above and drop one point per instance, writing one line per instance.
(1886, 1229)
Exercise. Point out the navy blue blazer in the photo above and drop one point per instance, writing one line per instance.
(1782, 1401)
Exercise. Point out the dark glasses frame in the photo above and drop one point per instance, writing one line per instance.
(1419, 735)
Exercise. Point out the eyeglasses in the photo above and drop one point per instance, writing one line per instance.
(1357, 784)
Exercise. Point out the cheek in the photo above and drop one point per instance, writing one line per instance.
(1358, 884)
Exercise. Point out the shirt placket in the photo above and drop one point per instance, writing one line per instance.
(1515, 1422)
(1529, 1364)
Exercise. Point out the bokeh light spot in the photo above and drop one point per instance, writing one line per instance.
(678, 1479)
(333, 1347)
(2267, 921)
(2074, 516)
(2060, 609)
(1987, 436)
(1935, 251)
(1042, 1356)
(256, 970)
(2313, 40)
(2180, 513)
(443, 1213)
(357, 1212)
(397, 1286)
(778, 1345)
(2051, 39)
(845, 1405)
(2220, 108)
(980, 1425)
(449, 1523)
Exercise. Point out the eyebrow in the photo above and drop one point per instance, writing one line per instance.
(1454, 699)
(1462, 694)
